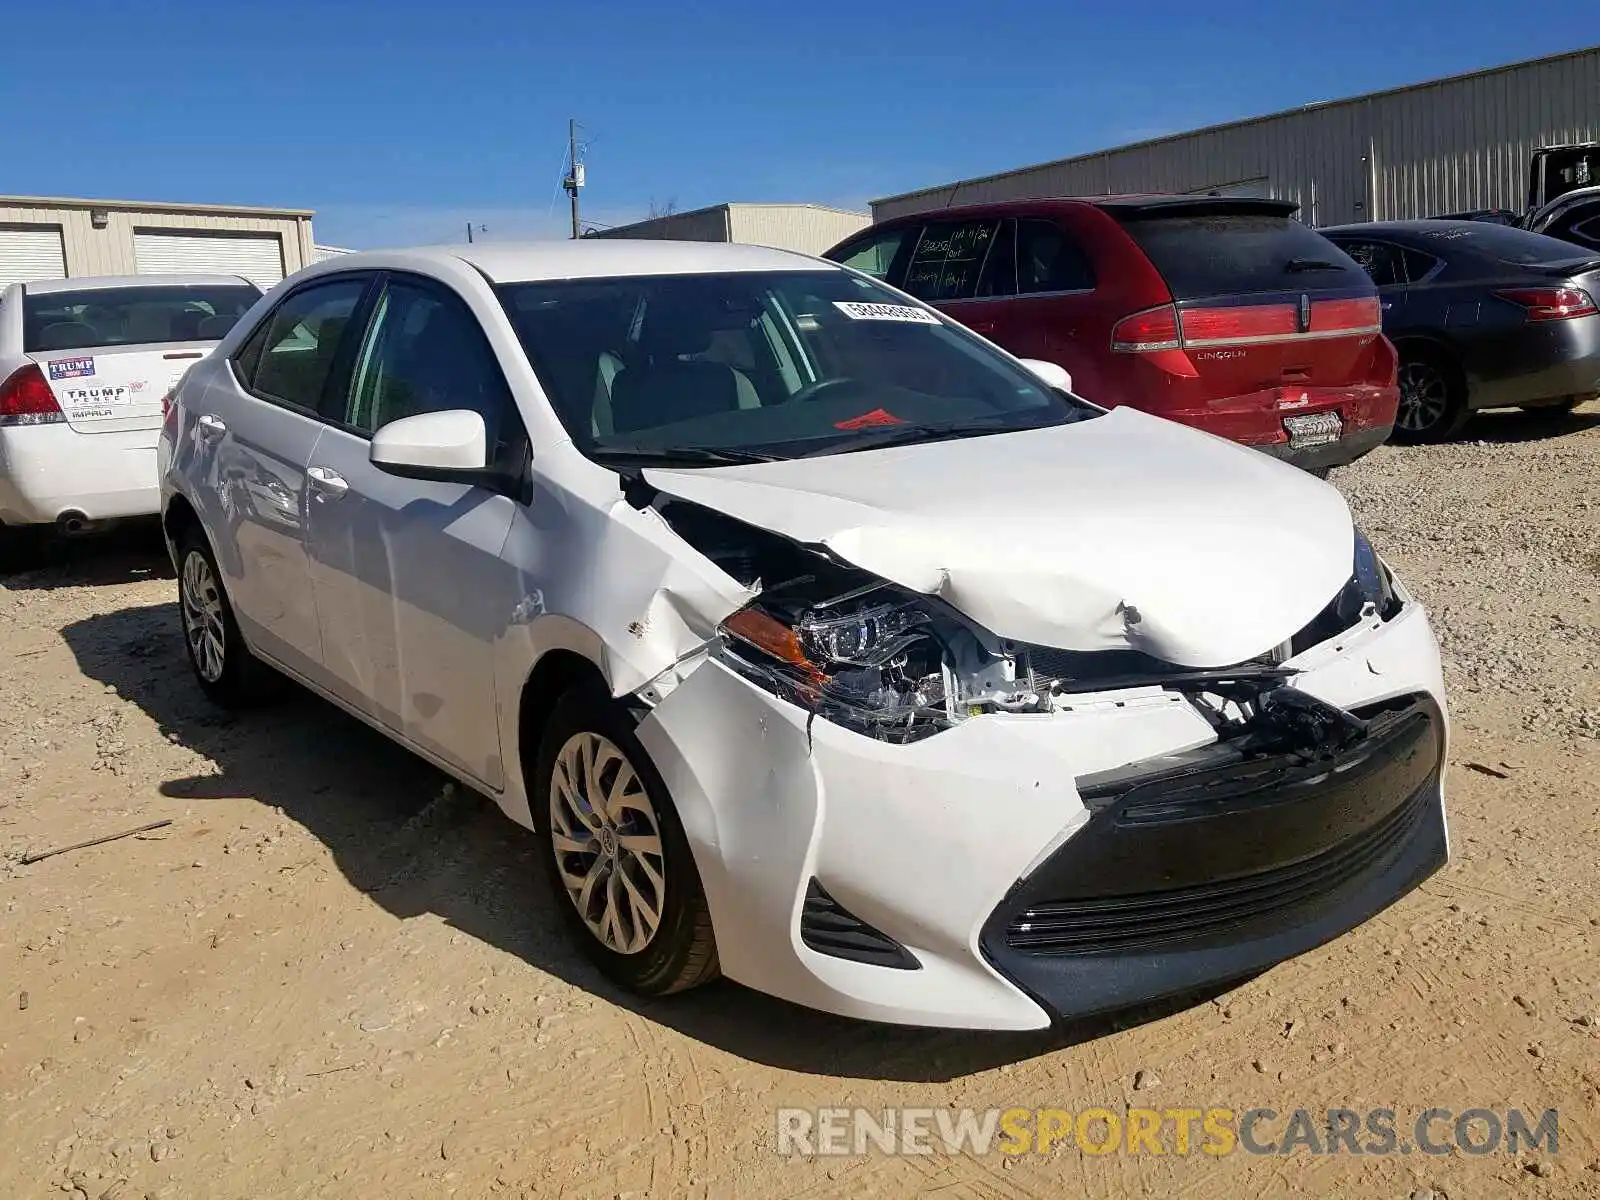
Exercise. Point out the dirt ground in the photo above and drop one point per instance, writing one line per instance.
(334, 975)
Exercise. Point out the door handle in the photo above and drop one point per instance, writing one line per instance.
(1386, 305)
(211, 425)
(329, 485)
(982, 326)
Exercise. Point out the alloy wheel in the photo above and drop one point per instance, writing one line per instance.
(202, 616)
(1424, 397)
(607, 843)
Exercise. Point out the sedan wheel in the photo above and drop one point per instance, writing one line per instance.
(1424, 397)
(228, 673)
(624, 876)
(607, 843)
(203, 617)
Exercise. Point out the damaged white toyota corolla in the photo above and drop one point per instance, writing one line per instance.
(825, 645)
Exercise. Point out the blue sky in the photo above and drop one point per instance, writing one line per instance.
(399, 122)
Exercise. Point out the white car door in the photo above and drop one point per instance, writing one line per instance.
(254, 430)
(411, 592)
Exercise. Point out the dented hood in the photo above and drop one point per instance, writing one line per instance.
(1125, 531)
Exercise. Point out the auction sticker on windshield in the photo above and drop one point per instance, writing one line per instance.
(857, 311)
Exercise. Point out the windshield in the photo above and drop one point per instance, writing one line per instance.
(1502, 243)
(764, 364)
(130, 316)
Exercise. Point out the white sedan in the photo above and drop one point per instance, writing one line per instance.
(823, 644)
(84, 367)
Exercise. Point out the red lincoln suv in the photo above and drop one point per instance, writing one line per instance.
(1222, 312)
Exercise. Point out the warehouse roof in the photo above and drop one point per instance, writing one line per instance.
(1238, 124)
(240, 210)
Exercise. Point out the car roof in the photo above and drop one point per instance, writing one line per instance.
(89, 283)
(589, 258)
(1126, 205)
(1380, 228)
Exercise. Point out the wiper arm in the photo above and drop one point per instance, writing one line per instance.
(1311, 264)
(900, 435)
(675, 456)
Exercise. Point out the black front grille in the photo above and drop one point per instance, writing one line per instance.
(829, 928)
(1118, 924)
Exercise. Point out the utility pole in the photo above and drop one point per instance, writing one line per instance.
(574, 179)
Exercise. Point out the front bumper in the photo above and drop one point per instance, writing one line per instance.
(1203, 873)
(823, 852)
(47, 471)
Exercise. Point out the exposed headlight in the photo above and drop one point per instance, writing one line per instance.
(878, 662)
(1374, 584)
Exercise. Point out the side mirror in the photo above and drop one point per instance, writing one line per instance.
(1049, 373)
(450, 446)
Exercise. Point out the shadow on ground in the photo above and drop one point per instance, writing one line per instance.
(1534, 425)
(40, 559)
(398, 834)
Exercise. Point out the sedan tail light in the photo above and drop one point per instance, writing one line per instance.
(26, 399)
(1551, 303)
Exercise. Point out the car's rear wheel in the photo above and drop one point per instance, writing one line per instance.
(1433, 398)
(227, 672)
(619, 863)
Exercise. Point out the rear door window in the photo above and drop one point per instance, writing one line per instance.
(1049, 259)
(949, 259)
(291, 354)
(1385, 263)
(1212, 254)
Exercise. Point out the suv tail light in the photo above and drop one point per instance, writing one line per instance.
(26, 399)
(1171, 328)
(1551, 303)
(1153, 329)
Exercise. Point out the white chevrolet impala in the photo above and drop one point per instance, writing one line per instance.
(84, 367)
(824, 645)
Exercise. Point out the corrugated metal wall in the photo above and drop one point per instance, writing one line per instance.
(109, 251)
(1460, 143)
(806, 228)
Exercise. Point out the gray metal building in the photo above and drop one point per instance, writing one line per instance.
(808, 228)
(1449, 145)
(56, 238)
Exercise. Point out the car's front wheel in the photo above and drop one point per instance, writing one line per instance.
(619, 863)
(227, 672)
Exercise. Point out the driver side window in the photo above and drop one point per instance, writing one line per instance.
(424, 352)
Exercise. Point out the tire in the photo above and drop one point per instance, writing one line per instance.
(612, 855)
(1433, 398)
(227, 672)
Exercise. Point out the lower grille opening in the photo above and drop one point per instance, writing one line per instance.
(827, 927)
(1119, 924)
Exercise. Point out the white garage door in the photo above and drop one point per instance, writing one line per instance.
(30, 252)
(258, 257)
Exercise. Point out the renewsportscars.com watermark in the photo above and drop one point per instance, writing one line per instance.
(1178, 1131)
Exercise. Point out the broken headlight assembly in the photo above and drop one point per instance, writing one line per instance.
(883, 663)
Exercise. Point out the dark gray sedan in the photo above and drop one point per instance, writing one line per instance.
(1483, 316)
